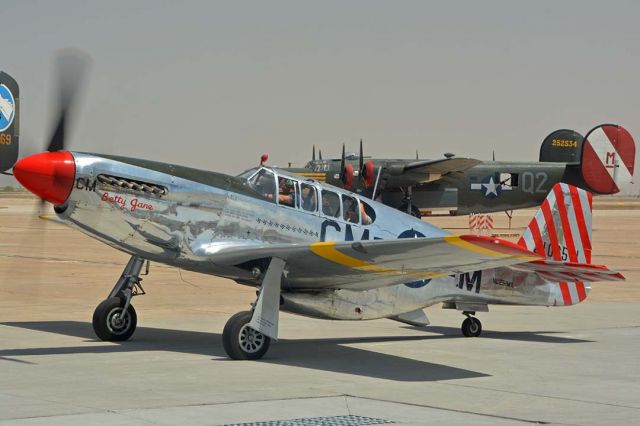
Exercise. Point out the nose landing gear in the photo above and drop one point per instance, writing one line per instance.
(115, 318)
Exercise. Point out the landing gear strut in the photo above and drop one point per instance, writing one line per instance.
(471, 326)
(407, 205)
(115, 318)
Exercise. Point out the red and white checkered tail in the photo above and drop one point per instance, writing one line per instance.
(561, 229)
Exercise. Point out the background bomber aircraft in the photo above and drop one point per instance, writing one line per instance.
(310, 248)
(600, 163)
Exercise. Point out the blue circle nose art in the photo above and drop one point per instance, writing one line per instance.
(7, 107)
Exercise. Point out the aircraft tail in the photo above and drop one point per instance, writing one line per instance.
(608, 157)
(9, 126)
(561, 230)
(562, 146)
(602, 161)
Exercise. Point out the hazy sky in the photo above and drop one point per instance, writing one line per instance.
(215, 84)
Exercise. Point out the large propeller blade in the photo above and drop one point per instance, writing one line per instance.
(71, 67)
(342, 163)
(360, 163)
(365, 172)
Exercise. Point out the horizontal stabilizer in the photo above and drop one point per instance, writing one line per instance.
(556, 271)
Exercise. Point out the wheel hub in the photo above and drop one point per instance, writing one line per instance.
(250, 340)
(117, 323)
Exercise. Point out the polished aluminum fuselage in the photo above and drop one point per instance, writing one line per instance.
(201, 214)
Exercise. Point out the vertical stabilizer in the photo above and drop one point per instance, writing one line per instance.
(9, 109)
(561, 230)
(608, 158)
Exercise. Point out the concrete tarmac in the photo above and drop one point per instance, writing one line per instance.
(576, 365)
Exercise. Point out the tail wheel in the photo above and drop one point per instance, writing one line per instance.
(471, 327)
(241, 341)
(111, 323)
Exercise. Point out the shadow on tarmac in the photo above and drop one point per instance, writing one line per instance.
(319, 354)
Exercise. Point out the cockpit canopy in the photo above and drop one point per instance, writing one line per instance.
(310, 196)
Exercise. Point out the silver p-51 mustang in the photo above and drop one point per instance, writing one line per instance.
(310, 248)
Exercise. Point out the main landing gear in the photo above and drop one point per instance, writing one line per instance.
(471, 326)
(240, 341)
(407, 206)
(115, 319)
(247, 335)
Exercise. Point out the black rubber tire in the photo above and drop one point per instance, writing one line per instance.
(471, 327)
(103, 321)
(415, 211)
(231, 338)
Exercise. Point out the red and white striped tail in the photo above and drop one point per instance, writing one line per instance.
(561, 230)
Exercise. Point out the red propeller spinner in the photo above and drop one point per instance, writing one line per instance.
(49, 175)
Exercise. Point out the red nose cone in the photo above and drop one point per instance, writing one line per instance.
(49, 175)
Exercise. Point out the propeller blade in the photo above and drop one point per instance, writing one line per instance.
(72, 66)
(313, 154)
(361, 163)
(342, 162)
(319, 154)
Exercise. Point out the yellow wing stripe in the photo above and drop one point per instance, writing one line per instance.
(465, 245)
(328, 251)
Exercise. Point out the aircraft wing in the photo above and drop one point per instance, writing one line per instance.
(442, 166)
(360, 265)
(424, 171)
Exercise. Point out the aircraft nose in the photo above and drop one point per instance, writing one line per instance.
(49, 175)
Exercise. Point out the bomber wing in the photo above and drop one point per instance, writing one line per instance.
(424, 171)
(372, 263)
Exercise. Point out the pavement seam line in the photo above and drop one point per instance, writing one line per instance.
(543, 396)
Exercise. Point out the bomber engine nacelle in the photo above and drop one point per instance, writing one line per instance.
(347, 176)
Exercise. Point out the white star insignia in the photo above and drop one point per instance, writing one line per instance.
(491, 187)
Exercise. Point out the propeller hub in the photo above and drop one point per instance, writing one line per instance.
(49, 175)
